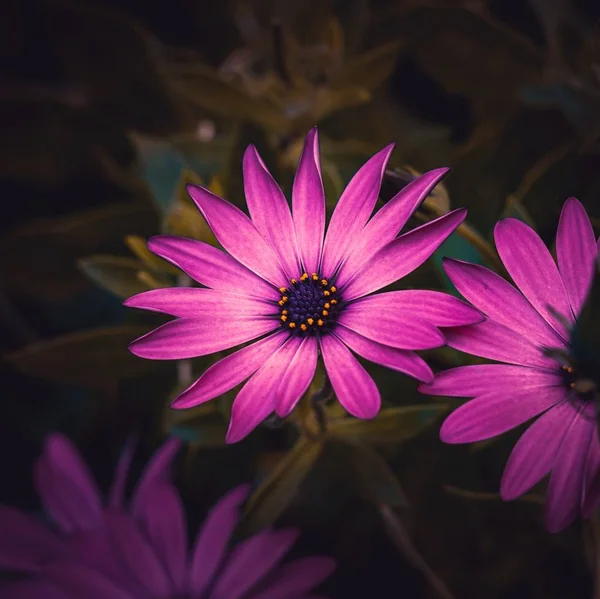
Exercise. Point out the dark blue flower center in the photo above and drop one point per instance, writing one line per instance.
(580, 376)
(309, 305)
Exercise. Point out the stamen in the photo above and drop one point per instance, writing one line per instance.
(304, 277)
(324, 282)
(333, 302)
(303, 327)
(320, 322)
(284, 312)
(324, 313)
(293, 281)
(326, 293)
(283, 317)
(333, 289)
(282, 289)
(310, 321)
(315, 276)
(327, 306)
(292, 325)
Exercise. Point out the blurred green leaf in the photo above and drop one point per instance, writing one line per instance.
(90, 358)
(272, 497)
(114, 273)
(369, 70)
(200, 85)
(138, 245)
(368, 473)
(392, 425)
(44, 253)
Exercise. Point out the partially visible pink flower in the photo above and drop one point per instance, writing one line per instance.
(302, 291)
(528, 329)
(141, 552)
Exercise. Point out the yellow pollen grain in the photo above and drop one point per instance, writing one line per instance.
(333, 302)
(315, 276)
(327, 306)
(281, 302)
(283, 317)
(293, 281)
(304, 277)
(310, 321)
(284, 311)
(333, 289)
(292, 325)
(282, 289)
(324, 282)
(326, 293)
(320, 322)
(303, 327)
(324, 313)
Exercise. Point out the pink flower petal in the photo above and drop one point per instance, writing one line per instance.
(402, 255)
(79, 581)
(257, 398)
(211, 267)
(192, 337)
(137, 555)
(25, 543)
(499, 300)
(66, 487)
(533, 270)
(565, 489)
(238, 235)
(481, 379)
(535, 452)
(250, 561)
(405, 361)
(353, 210)
(308, 204)
(295, 578)
(33, 590)
(117, 490)
(270, 211)
(213, 539)
(354, 388)
(390, 327)
(494, 341)
(433, 307)
(387, 223)
(495, 413)
(230, 371)
(297, 377)
(163, 519)
(575, 252)
(591, 495)
(156, 472)
(186, 302)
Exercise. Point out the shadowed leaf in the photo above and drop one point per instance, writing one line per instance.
(479, 496)
(273, 496)
(368, 472)
(87, 358)
(116, 274)
(44, 252)
(392, 425)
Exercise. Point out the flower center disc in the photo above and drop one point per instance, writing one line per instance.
(309, 305)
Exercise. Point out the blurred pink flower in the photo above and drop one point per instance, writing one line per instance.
(303, 291)
(528, 328)
(139, 549)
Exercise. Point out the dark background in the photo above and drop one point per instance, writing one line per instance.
(506, 92)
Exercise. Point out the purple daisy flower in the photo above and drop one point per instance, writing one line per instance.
(528, 329)
(302, 291)
(110, 550)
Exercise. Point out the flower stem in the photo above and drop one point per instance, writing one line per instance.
(317, 402)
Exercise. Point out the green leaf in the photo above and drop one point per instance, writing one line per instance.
(392, 425)
(275, 493)
(368, 472)
(44, 253)
(114, 273)
(369, 70)
(201, 85)
(90, 358)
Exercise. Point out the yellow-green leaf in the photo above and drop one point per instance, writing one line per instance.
(116, 274)
(201, 85)
(480, 496)
(273, 496)
(139, 246)
(392, 425)
(90, 358)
